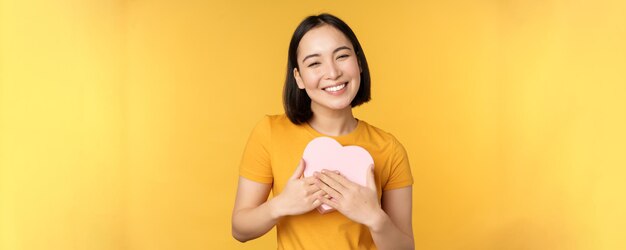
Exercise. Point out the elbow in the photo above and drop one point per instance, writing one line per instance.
(239, 237)
(236, 232)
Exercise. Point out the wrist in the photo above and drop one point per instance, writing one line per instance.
(377, 222)
(275, 208)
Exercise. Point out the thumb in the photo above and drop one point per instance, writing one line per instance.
(299, 170)
(371, 181)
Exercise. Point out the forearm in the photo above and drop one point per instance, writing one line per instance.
(251, 223)
(387, 235)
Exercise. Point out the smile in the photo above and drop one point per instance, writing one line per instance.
(336, 87)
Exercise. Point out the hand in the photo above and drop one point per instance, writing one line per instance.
(299, 195)
(356, 202)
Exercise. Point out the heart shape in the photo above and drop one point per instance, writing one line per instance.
(352, 162)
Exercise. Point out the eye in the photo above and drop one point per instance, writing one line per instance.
(313, 64)
(343, 56)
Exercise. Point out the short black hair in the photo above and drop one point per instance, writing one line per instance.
(296, 102)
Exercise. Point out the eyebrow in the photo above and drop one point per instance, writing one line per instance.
(334, 51)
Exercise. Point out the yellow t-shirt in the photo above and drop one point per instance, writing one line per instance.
(273, 152)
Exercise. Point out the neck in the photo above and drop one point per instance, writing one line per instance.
(333, 122)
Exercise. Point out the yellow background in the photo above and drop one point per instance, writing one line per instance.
(122, 123)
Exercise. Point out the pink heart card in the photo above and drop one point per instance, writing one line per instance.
(352, 162)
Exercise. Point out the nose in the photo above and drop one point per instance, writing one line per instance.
(333, 71)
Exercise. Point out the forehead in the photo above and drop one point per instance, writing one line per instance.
(322, 39)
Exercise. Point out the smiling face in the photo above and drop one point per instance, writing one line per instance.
(328, 69)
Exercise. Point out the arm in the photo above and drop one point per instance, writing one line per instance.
(390, 226)
(393, 227)
(254, 215)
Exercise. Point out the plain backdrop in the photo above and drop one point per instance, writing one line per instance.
(122, 123)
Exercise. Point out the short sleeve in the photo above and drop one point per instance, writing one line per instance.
(256, 162)
(400, 175)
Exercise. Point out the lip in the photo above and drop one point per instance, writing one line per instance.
(337, 84)
(339, 92)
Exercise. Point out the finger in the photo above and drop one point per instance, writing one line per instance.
(371, 181)
(333, 203)
(332, 192)
(324, 177)
(299, 170)
(339, 178)
(312, 189)
(319, 193)
(309, 180)
(316, 203)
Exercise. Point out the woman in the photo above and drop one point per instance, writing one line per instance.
(327, 76)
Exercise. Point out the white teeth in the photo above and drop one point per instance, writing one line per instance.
(336, 88)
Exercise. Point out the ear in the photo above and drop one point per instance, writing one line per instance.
(296, 75)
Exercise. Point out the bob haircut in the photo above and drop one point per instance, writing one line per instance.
(296, 102)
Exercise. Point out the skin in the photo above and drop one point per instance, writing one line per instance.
(326, 58)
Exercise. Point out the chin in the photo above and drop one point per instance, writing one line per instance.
(340, 106)
(336, 104)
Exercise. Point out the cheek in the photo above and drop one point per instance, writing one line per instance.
(352, 68)
(310, 79)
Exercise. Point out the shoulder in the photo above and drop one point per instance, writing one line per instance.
(379, 136)
(277, 119)
(276, 122)
(382, 142)
(273, 123)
